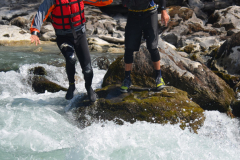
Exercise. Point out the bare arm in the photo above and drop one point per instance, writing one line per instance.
(43, 11)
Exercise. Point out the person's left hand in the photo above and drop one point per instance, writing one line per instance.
(35, 39)
(164, 17)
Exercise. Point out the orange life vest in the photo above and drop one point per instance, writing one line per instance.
(68, 14)
(99, 3)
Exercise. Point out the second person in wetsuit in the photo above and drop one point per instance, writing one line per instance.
(143, 18)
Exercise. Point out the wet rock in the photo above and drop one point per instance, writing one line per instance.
(39, 49)
(40, 71)
(171, 105)
(236, 108)
(40, 84)
(202, 85)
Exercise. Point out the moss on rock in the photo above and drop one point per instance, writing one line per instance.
(231, 80)
(189, 48)
(171, 105)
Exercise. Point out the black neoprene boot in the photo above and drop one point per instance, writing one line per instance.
(88, 76)
(70, 91)
(92, 96)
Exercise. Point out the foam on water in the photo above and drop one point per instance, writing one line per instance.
(154, 141)
(36, 126)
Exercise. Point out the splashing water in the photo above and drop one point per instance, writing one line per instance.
(36, 126)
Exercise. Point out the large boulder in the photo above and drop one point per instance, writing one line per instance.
(171, 105)
(203, 86)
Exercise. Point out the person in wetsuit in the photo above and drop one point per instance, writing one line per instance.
(68, 21)
(143, 19)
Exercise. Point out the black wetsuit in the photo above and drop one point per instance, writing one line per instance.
(80, 47)
(140, 22)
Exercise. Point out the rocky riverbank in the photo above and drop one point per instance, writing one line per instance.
(193, 28)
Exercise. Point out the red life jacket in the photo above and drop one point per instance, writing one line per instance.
(68, 14)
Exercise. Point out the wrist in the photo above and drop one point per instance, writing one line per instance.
(163, 11)
(35, 33)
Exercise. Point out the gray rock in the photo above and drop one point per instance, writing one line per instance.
(196, 3)
(228, 18)
(15, 33)
(227, 58)
(20, 22)
(48, 36)
(171, 38)
(200, 14)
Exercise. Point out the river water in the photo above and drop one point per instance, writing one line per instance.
(38, 126)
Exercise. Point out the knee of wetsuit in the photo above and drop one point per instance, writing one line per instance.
(88, 75)
(128, 56)
(71, 58)
(155, 56)
(68, 52)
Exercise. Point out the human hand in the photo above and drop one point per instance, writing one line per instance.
(164, 17)
(35, 39)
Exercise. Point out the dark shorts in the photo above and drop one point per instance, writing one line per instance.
(138, 24)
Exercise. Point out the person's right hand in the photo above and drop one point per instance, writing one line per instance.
(35, 39)
(164, 17)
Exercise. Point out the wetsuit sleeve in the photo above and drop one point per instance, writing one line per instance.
(42, 14)
(162, 5)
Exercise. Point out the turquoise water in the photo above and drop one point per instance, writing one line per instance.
(38, 126)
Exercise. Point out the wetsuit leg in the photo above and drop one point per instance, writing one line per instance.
(151, 34)
(83, 54)
(82, 51)
(133, 35)
(155, 56)
(128, 56)
(65, 44)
